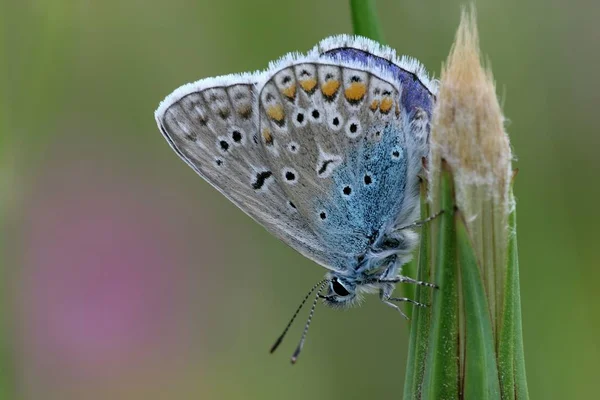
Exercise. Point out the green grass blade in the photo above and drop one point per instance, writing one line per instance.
(419, 325)
(364, 19)
(511, 358)
(480, 370)
(441, 379)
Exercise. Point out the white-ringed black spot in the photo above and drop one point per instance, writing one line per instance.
(293, 147)
(261, 177)
(224, 145)
(323, 216)
(315, 114)
(300, 118)
(396, 154)
(368, 180)
(324, 166)
(336, 121)
(353, 128)
(290, 176)
(219, 162)
(347, 190)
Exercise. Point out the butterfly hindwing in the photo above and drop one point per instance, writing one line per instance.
(338, 144)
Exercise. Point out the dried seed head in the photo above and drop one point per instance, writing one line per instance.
(468, 133)
(467, 129)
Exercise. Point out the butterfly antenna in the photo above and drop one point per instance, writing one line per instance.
(310, 315)
(280, 338)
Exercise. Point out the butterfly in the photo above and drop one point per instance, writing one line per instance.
(324, 150)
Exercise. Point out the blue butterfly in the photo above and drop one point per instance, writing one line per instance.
(324, 150)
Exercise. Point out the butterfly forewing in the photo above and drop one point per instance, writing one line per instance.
(214, 129)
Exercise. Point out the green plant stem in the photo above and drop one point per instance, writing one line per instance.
(364, 19)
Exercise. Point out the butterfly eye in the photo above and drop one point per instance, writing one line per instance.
(338, 288)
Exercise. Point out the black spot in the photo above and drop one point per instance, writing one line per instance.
(355, 79)
(261, 177)
(347, 190)
(378, 133)
(236, 136)
(387, 93)
(304, 73)
(300, 118)
(323, 215)
(396, 154)
(290, 176)
(286, 79)
(338, 288)
(292, 205)
(324, 166)
(368, 180)
(336, 121)
(255, 139)
(269, 97)
(224, 145)
(328, 76)
(219, 162)
(353, 128)
(293, 147)
(315, 114)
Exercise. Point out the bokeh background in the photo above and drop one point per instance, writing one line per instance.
(125, 276)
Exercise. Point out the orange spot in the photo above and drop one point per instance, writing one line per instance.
(330, 87)
(386, 104)
(374, 105)
(356, 91)
(308, 84)
(267, 135)
(276, 112)
(289, 92)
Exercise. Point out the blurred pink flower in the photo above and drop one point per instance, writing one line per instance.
(102, 283)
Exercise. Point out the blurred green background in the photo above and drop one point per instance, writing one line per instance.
(126, 276)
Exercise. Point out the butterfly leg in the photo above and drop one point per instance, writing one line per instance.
(395, 307)
(420, 223)
(405, 279)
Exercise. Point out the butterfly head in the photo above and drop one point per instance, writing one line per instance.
(341, 292)
(346, 291)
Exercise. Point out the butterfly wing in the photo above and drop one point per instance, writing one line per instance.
(342, 143)
(212, 125)
(258, 140)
